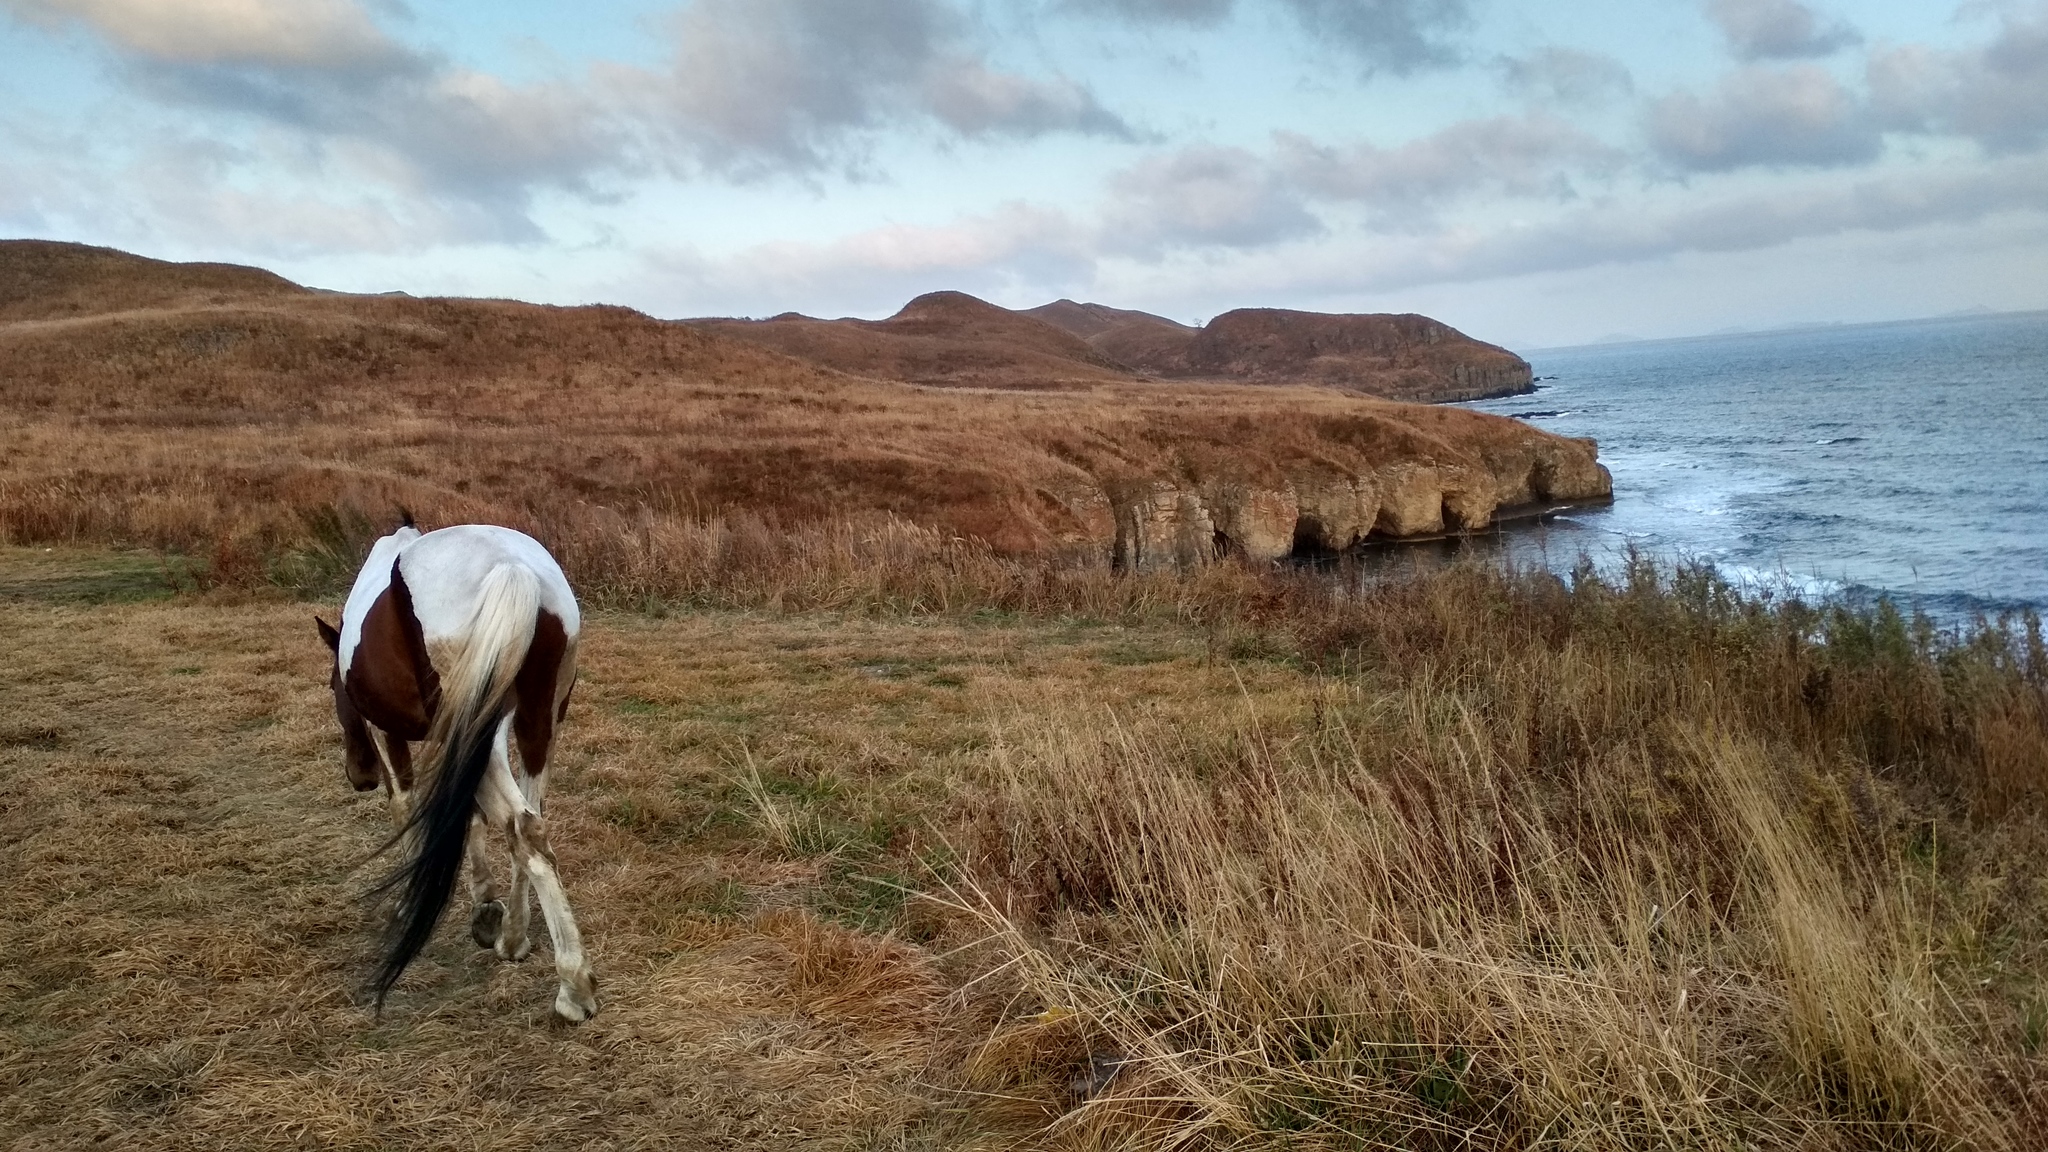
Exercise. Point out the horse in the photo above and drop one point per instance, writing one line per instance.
(462, 639)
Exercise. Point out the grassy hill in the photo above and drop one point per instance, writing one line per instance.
(201, 406)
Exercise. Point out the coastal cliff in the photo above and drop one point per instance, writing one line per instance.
(180, 406)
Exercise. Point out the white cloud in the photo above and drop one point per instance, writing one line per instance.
(277, 33)
(1769, 116)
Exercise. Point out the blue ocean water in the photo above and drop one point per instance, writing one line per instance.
(1908, 459)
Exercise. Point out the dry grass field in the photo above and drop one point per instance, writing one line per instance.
(896, 819)
(1457, 860)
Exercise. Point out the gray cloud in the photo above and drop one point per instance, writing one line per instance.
(1564, 76)
(1161, 11)
(1394, 36)
(359, 98)
(1778, 29)
(1612, 233)
(1765, 116)
(757, 85)
(1398, 37)
(754, 87)
(422, 127)
(1996, 95)
(975, 100)
(1203, 196)
(1518, 155)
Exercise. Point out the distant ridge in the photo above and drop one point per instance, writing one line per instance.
(50, 279)
(953, 339)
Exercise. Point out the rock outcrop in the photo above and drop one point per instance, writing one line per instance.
(1150, 523)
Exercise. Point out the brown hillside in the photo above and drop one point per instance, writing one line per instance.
(944, 338)
(237, 417)
(1139, 339)
(1407, 357)
(953, 339)
(41, 279)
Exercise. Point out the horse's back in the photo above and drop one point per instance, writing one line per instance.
(445, 572)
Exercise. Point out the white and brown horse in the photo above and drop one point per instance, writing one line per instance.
(463, 639)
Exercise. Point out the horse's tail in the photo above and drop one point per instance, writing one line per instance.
(476, 696)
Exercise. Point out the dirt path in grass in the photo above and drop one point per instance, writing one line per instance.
(738, 801)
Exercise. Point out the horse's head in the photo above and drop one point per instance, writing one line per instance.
(358, 757)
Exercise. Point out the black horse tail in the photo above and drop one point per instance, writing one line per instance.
(476, 697)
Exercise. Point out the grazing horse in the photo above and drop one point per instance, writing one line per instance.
(463, 639)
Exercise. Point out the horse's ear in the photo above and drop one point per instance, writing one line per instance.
(328, 634)
(405, 518)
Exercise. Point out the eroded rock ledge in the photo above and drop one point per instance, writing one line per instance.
(1192, 520)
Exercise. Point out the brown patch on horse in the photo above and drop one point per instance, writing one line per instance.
(390, 678)
(533, 720)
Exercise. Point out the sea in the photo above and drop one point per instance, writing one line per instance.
(1905, 460)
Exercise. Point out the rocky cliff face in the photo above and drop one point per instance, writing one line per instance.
(1154, 522)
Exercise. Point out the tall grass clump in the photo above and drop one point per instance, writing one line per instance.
(1544, 864)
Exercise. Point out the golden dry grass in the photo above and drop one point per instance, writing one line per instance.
(1456, 861)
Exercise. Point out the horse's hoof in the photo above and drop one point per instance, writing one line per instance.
(485, 922)
(575, 1005)
(513, 953)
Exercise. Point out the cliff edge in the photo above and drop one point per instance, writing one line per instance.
(238, 406)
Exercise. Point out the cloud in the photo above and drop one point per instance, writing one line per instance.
(1016, 247)
(1996, 94)
(276, 33)
(1160, 11)
(1515, 155)
(754, 87)
(1778, 29)
(1611, 233)
(1564, 76)
(759, 85)
(1399, 37)
(1797, 115)
(364, 103)
(1203, 196)
(975, 100)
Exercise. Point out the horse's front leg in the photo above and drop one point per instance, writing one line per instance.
(394, 765)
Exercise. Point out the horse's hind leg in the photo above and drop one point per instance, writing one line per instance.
(507, 806)
(513, 940)
(487, 918)
(577, 998)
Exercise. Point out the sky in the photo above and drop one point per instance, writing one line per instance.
(1536, 174)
